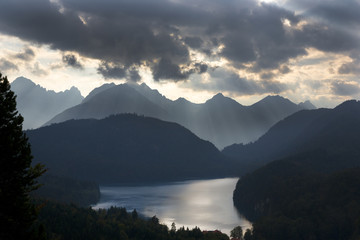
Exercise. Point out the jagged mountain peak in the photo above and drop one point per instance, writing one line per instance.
(219, 98)
(182, 100)
(23, 80)
(307, 105)
(275, 99)
(37, 104)
(349, 105)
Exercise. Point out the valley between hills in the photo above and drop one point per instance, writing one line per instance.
(298, 166)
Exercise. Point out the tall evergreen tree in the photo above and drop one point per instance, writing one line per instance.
(17, 176)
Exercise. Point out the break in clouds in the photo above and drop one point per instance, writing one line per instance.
(176, 39)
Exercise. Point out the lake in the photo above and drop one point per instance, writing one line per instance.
(204, 203)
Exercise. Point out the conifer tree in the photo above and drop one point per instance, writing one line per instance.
(17, 176)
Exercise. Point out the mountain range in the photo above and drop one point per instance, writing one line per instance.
(37, 105)
(125, 148)
(221, 120)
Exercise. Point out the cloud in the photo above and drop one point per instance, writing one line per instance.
(345, 89)
(115, 71)
(225, 81)
(193, 42)
(127, 35)
(284, 69)
(72, 61)
(111, 71)
(340, 13)
(27, 55)
(267, 75)
(201, 67)
(165, 69)
(6, 65)
(350, 68)
(37, 70)
(133, 75)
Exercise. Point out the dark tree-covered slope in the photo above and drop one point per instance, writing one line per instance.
(125, 148)
(335, 130)
(314, 192)
(295, 198)
(67, 190)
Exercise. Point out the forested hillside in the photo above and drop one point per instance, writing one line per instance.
(335, 130)
(126, 148)
(287, 200)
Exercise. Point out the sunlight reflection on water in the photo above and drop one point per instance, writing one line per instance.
(203, 203)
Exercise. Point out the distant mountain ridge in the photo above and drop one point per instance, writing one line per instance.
(221, 120)
(37, 105)
(126, 148)
(331, 130)
(109, 100)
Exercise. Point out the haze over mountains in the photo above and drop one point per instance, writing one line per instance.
(221, 120)
(126, 148)
(37, 105)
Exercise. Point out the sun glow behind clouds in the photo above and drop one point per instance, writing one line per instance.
(278, 2)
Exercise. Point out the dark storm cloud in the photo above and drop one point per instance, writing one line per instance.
(7, 65)
(342, 13)
(336, 24)
(345, 89)
(193, 42)
(115, 71)
(201, 67)
(165, 69)
(72, 61)
(127, 34)
(110, 71)
(326, 39)
(96, 29)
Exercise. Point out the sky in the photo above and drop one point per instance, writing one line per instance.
(246, 49)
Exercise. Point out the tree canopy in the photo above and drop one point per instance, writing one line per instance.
(17, 176)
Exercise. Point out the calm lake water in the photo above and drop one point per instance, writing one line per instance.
(204, 203)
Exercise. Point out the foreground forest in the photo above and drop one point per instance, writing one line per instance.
(74, 222)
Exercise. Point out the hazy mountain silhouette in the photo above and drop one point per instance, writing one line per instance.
(221, 120)
(98, 90)
(125, 148)
(38, 105)
(332, 130)
(108, 100)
